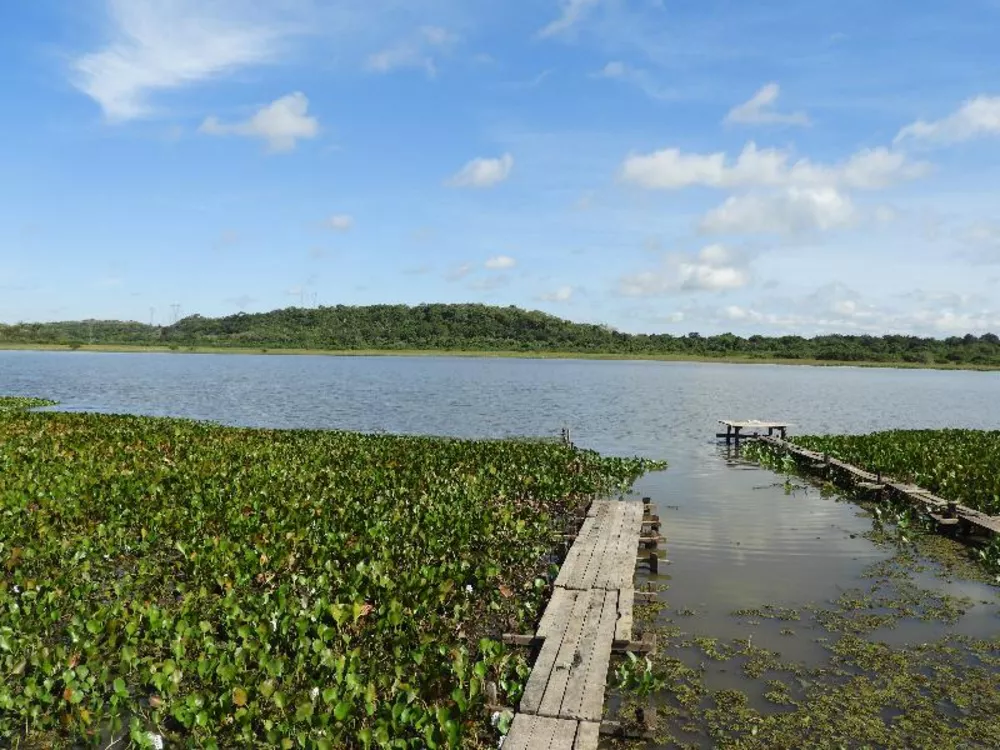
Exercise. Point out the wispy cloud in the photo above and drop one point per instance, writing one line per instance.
(759, 110)
(340, 222)
(498, 262)
(418, 51)
(281, 123)
(560, 294)
(714, 268)
(483, 172)
(671, 169)
(616, 70)
(572, 12)
(976, 118)
(156, 46)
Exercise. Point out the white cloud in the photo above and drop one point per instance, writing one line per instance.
(617, 70)
(483, 173)
(459, 272)
(573, 11)
(791, 211)
(975, 118)
(281, 123)
(759, 110)
(499, 262)
(671, 169)
(981, 242)
(340, 222)
(489, 284)
(157, 46)
(416, 52)
(561, 294)
(714, 268)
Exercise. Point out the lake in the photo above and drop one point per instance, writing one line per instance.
(735, 537)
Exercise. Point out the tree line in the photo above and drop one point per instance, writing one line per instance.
(476, 327)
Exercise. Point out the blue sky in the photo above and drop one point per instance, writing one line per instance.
(765, 167)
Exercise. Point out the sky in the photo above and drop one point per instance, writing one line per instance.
(768, 167)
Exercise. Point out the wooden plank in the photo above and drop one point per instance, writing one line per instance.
(609, 534)
(520, 734)
(534, 690)
(555, 604)
(565, 734)
(569, 652)
(592, 705)
(623, 627)
(588, 735)
(621, 557)
(579, 553)
(575, 692)
(605, 567)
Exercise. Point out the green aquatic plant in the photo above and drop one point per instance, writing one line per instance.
(639, 676)
(224, 587)
(959, 465)
(22, 403)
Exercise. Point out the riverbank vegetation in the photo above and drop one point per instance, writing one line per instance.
(485, 329)
(224, 587)
(959, 465)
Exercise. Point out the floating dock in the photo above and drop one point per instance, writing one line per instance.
(588, 617)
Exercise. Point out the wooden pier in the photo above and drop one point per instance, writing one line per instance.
(734, 429)
(588, 617)
(943, 512)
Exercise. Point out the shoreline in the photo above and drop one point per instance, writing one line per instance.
(480, 354)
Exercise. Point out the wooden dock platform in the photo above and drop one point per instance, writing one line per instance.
(734, 429)
(588, 617)
(945, 512)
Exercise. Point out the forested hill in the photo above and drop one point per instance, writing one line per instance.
(484, 328)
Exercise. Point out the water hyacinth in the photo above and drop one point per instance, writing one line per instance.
(225, 587)
(959, 465)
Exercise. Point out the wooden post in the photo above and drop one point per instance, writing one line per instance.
(729, 434)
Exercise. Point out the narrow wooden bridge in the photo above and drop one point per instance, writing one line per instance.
(943, 512)
(588, 617)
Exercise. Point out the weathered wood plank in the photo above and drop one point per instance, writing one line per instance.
(534, 690)
(559, 594)
(521, 730)
(598, 574)
(592, 705)
(576, 690)
(564, 735)
(588, 735)
(576, 552)
(623, 627)
(569, 653)
(609, 534)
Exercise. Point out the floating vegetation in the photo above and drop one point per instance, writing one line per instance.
(21, 403)
(221, 587)
(959, 465)
(857, 692)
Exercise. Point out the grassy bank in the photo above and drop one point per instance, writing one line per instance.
(741, 360)
(225, 587)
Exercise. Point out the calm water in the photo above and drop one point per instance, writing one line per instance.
(734, 539)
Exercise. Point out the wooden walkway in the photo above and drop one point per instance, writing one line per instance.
(589, 614)
(946, 513)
